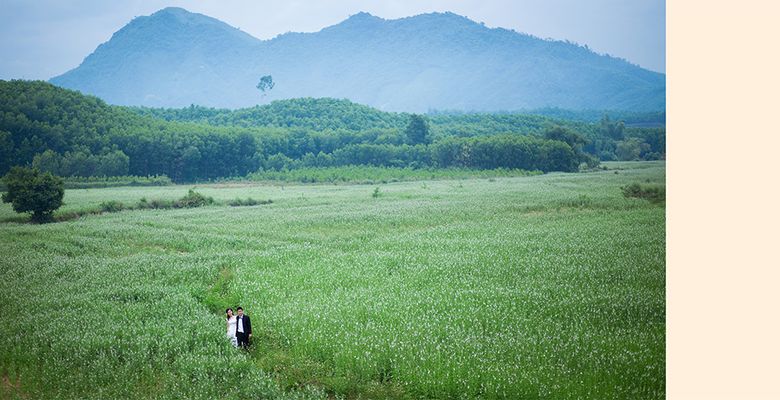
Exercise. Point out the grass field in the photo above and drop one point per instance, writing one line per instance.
(549, 286)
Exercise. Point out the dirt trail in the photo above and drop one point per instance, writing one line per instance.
(11, 389)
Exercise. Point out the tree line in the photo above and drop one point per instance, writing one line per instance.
(69, 134)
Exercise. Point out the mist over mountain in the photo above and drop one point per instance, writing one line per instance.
(437, 61)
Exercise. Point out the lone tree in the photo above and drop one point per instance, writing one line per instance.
(417, 131)
(266, 83)
(33, 192)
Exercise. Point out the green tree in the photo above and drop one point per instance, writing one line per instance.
(614, 130)
(48, 161)
(278, 162)
(115, 163)
(33, 192)
(575, 140)
(189, 163)
(417, 131)
(266, 83)
(629, 149)
(6, 151)
(78, 163)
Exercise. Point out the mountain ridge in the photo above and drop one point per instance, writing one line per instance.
(174, 58)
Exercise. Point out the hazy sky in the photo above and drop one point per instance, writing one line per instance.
(42, 39)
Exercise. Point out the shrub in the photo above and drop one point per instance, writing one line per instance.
(248, 202)
(142, 204)
(111, 206)
(236, 202)
(193, 199)
(653, 193)
(158, 203)
(376, 192)
(67, 216)
(33, 192)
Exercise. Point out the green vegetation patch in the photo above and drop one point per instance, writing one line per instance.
(653, 193)
(96, 144)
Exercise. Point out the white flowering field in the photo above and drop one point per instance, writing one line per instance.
(549, 286)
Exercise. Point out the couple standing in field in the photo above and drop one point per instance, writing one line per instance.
(239, 328)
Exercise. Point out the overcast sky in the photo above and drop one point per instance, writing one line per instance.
(42, 39)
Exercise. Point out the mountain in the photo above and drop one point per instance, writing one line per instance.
(172, 57)
(436, 61)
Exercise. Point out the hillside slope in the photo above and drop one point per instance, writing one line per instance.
(441, 61)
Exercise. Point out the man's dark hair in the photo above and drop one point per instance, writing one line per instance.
(239, 308)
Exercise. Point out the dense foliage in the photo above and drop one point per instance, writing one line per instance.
(69, 134)
(30, 191)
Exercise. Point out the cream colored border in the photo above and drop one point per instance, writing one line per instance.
(723, 229)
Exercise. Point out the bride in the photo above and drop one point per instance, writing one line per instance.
(231, 327)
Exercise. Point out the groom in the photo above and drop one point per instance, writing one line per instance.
(243, 328)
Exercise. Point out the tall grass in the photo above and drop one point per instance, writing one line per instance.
(373, 175)
(546, 286)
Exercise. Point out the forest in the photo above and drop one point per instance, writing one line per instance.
(73, 135)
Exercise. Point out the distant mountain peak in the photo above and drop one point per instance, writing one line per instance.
(181, 15)
(436, 17)
(173, 10)
(178, 14)
(443, 15)
(173, 24)
(363, 16)
(361, 19)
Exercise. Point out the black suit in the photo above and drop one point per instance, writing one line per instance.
(243, 337)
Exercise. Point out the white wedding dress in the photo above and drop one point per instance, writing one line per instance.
(231, 330)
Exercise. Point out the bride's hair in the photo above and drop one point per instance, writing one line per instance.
(226, 310)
